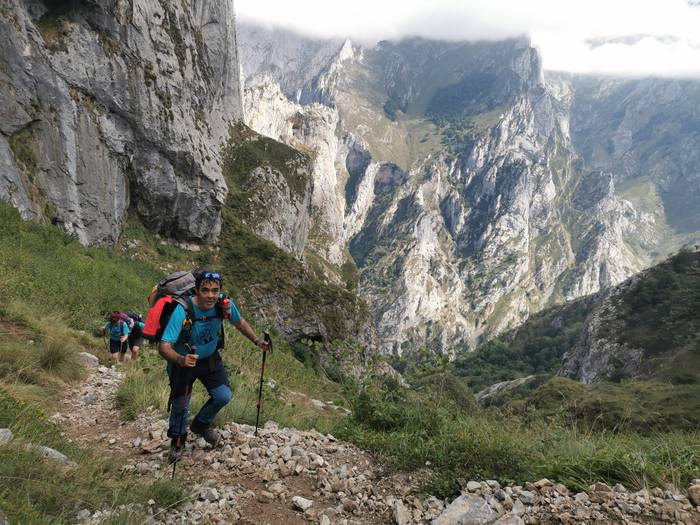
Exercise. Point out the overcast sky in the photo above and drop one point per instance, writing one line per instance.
(622, 37)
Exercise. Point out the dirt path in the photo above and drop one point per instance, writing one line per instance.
(257, 480)
(253, 478)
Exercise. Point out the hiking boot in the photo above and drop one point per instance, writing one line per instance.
(210, 435)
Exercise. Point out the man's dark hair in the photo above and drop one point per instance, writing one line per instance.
(202, 274)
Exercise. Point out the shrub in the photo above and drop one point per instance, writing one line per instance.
(59, 358)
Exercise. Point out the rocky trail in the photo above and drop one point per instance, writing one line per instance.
(286, 476)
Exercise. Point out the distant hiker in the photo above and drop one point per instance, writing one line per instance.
(118, 330)
(190, 343)
(136, 336)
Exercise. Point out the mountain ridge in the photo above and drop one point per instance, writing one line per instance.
(505, 182)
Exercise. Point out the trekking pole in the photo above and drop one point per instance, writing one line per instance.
(267, 339)
(186, 372)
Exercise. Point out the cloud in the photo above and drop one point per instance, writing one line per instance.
(625, 37)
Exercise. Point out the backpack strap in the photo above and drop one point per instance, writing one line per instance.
(188, 307)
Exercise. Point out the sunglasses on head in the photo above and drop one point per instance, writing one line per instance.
(211, 276)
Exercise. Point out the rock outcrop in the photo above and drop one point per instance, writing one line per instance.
(311, 129)
(109, 105)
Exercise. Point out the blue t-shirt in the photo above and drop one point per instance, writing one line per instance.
(116, 331)
(205, 334)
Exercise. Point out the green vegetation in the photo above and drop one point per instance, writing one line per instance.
(644, 407)
(458, 134)
(34, 490)
(21, 146)
(408, 430)
(55, 30)
(536, 347)
(660, 315)
(88, 282)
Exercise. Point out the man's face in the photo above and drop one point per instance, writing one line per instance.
(208, 293)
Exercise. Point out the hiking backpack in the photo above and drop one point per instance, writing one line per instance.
(124, 318)
(176, 288)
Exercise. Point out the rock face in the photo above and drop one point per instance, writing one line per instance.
(469, 201)
(310, 129)
(273, 191)
(598, 355)
(108, 105)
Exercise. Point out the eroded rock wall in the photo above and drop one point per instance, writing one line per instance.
(112, 104)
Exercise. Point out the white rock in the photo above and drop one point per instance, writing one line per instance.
(88, 359)
(467, 509)
(473, 486)
(5, 436)
(401, 515)
(54, 455)
(318, 404)
(302, 503)
(210, 494)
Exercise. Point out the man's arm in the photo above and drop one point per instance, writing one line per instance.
(243, 327)
(170, 335)
(168, 352)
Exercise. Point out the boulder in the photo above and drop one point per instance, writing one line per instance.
(301, 503)
(54, 455)
(694, 495)
(88, 359)
(401, 514)
(467, 510)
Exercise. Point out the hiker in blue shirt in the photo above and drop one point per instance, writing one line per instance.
(190, 345)
(136, 339)
(118, 334)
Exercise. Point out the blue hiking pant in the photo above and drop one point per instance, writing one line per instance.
(212, 374)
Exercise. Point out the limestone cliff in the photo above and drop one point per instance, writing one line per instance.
(466, 204)
(116, 103)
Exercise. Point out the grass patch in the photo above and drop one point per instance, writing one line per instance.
(34, 490)
(38, 357)
(88, 282)
(21, 146)
(409, 431)
(643, 407)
